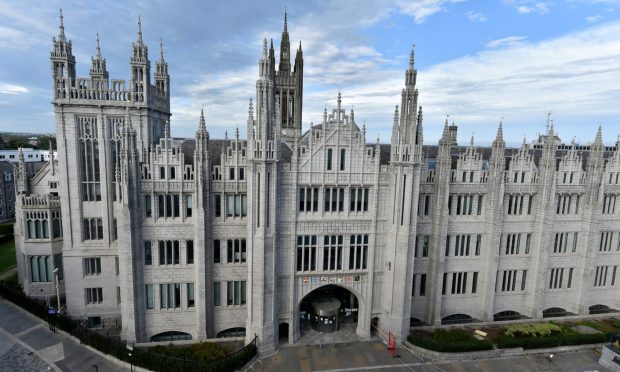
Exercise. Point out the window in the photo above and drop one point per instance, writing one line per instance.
(459, 283)
(560, 243)
(332, 252)
(170, 296)
(605, 243)
(509, 280)
(188, 205)
(231, 173)
(329, 159)
(358, 252)
(236, 251)
(474, 282)
(162, 173)
(189, 250)
(216, 251)
(217, 201)
(342, 158)
(478, 244)
(217, 294)
(556, 278)
(333, 199)
(37, 225)
(149, 296)
(148, 254)
(93, 229)
(309, 199)
(56, 224)
(609, 204)
(422, 284)
(241, 173)
(190, 294)
(603, 273)
(306, 252)
(235, 293)
(41, 269)
(92, 266)
(168, 205)
(236, 205)
(464, 205)
(148, 211)
(359, 199)
(118, 295)
(172, 173)
(168, 252)
(94, 296)
(89, 158)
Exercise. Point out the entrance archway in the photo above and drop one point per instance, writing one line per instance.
(329, 309)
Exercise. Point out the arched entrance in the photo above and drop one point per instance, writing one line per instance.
(328, 309)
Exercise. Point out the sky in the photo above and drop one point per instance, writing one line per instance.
(478, 61)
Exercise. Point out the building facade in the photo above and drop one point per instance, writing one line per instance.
(197, 237)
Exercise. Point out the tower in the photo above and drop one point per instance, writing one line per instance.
(162, 79)
(262, 186)
(289, 88)
(405, 166)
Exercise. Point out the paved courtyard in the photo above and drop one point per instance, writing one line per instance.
(373, 356)
(27, 344)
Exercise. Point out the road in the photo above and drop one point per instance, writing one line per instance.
(27, 344)
(373, 356)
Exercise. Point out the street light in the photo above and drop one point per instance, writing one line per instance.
(57, 290)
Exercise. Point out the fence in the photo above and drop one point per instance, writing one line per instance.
(114, 346)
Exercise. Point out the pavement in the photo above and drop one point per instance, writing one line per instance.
(27, 344)
(373, 356)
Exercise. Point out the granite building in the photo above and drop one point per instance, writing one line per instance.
(194, 238)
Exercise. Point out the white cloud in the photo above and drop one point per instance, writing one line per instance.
(422, 9)
(509, 41)
(528, 6)
(476, 16)
(593, 19)
(6, 88)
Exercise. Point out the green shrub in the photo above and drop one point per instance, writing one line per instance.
(550, 341)
(616, 323)
(533, 330)
(450, 341)
(203, 351)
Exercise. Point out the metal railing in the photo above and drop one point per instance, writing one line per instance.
(114, 346)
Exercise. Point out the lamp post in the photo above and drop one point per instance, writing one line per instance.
(57, 290)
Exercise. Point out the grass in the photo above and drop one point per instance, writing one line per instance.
(7, 255)
(203, 351)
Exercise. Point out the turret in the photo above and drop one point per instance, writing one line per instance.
(202, 137)
(21, 175)
(140, 68)
(162, 79)
(497, 160)
(98, 71)
(63, 63)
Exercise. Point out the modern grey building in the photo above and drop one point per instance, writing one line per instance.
(199, 237)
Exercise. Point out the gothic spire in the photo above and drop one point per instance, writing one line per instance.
(599, 136)
(202, 127)
(161, 50)
(61, 28)
(499, 137)
(139, 30)
(98, 55)
(395, 127)
(412, 57)
(285, 48)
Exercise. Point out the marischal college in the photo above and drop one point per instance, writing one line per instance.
(288, 231)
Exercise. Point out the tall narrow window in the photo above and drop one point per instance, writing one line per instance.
(329, 159)
(189, 251)
(89, 158)
(342, 158)
(216, 251)
(190, 294)
(149, 296)
(147, 206)
(217, 294)
(188, 205)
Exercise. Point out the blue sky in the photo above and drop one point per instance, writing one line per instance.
(477, 61)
